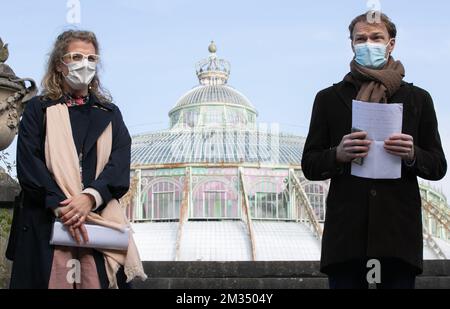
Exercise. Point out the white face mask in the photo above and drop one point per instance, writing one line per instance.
(81, 73)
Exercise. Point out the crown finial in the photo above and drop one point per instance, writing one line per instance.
(212, 70)
(212, 48)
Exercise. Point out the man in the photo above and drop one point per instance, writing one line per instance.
(367, 218)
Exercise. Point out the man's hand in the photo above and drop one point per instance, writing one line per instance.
(75, 210)
(353, 146)
(401, 145)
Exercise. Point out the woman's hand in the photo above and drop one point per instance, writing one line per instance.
(73, 211)
(79, 234)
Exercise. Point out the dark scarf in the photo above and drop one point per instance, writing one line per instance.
(376, 85)
(72, 101)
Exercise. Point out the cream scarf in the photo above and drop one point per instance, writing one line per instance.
(63, 163)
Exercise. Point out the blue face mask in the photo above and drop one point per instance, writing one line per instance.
(371, 55)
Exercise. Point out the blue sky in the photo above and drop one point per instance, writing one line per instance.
(282, 52)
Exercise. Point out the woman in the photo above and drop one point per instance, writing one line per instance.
(71, 83)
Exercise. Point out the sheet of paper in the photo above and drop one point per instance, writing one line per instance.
(100, 237)
(380, 121)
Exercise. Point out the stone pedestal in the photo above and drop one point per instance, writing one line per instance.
(9, 189)
(14, 93)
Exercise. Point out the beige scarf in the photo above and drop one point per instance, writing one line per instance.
(376, 85)
(63, 163)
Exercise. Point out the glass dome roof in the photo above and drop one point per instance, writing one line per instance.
(213, 103)
(210, 94)
(216, 147)
(215, 123)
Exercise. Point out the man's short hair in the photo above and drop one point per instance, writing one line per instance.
(390, 26)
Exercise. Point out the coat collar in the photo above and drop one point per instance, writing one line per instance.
(100, 116)
(347, 92)
(93, 101)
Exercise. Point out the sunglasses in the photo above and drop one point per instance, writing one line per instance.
(78, 57)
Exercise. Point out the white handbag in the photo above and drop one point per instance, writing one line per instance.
(100, 237)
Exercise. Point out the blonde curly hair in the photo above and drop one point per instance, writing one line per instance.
(53, 81)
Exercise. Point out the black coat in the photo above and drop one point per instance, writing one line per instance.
(369, 218)
(29, 246)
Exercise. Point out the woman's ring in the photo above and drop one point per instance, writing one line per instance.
(77, 216)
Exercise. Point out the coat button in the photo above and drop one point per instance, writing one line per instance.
(25, 228)
(373, 192)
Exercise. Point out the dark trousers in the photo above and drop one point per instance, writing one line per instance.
(395, 274)
(122, 279)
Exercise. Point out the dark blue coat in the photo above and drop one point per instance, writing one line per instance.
(29, 246)
(368, 218)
